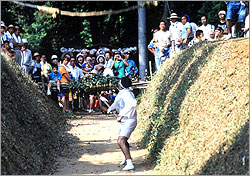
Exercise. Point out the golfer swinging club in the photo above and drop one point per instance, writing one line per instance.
(125, 104)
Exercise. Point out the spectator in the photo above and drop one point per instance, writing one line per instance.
(205, 27)
(194, 26)
(17, 39)
(4, 36)
(186, 32)
(175, 29)
(80, 60)
(109, 59)
(211, 36)
(246, 28)
(55, 78)
(6, 47)
(151, 47)
(101, 63)
(131, 69)
(35, 68)
(9, 33)
(93, 60)
(55, 61)
(75, 71)
(199, 37)
(65, 79)
(26, 57)
(84, 53)
(222, 23)
(88, 66)
(119, 64)
(234, 8)
(46, 69)
(219, 34)
(162, 40)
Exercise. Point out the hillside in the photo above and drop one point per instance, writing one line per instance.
(194, 116)
(30, 124)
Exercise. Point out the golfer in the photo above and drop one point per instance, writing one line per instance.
(125, 104)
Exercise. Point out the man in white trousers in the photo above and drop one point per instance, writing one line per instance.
(125, 104)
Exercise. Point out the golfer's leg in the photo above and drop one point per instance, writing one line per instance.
(124, 148)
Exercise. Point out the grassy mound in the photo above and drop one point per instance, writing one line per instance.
(193, 118)
(30, 124)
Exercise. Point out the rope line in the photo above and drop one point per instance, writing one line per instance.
(54, 11)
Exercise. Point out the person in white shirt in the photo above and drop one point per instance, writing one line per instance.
(175, 29)
(9, 33)
(125, 104)
(205, 27)
(26, 56)
(17, 38)
(74, 70)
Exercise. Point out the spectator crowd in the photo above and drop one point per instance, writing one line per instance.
(56, 75)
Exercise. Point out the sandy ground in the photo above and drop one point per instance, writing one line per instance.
(93, 148)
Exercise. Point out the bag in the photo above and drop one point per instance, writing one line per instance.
(115, 71)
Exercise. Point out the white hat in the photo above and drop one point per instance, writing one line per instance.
(88, 58)
(222, 12)
(54, 57)
(173, 16)
(79, 54)
(25, 40)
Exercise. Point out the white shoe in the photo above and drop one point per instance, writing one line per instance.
(123, 162)
(228, 37)
(48, 92)
(129, 167)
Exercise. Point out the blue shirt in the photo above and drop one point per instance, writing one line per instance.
(131, 69)
(151, 45)
(184, 31)
(54, 76)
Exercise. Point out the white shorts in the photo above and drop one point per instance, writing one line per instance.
(127, 126)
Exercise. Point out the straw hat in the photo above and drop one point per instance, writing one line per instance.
(173, 16)
(36, 54)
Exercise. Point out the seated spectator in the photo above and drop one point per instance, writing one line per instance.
(17, 43)
(131, 69)
(35, 68)
(211, 36)
(46, 69)
(54, 79)
(55, 61)
(26, 57)
(119, 64)
(222, 23)
(65, 79)
(4, 36)
(219, 34)
(88, 66)
(9, 33)
(199, 37)
(205, 27)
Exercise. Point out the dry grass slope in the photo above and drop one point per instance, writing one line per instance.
(30, 124)
(193, 117)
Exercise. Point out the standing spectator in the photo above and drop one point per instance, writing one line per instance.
(175, 29)
(4, 36)
(186, 32)
(246, 28)
(151, 47)
(205, 27)
(35, 68)
(163, 40)
(17, 38)
(131, 69)
(9, 33)
(222, 23)
(109, 59)
(119, 64)
(65, 79)
(46, 69)
(26, 57)
(75, 71)
(93, 60)
(55, 78)
(101, 63)
(55, 61)
(234, 8)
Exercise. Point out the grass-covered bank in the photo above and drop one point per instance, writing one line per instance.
(30, 124)
(196, 109)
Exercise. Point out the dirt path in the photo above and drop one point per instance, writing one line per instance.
(93, 149)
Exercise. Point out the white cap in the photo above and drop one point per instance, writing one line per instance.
(54, 57)
(222, 12)
(25, 40)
